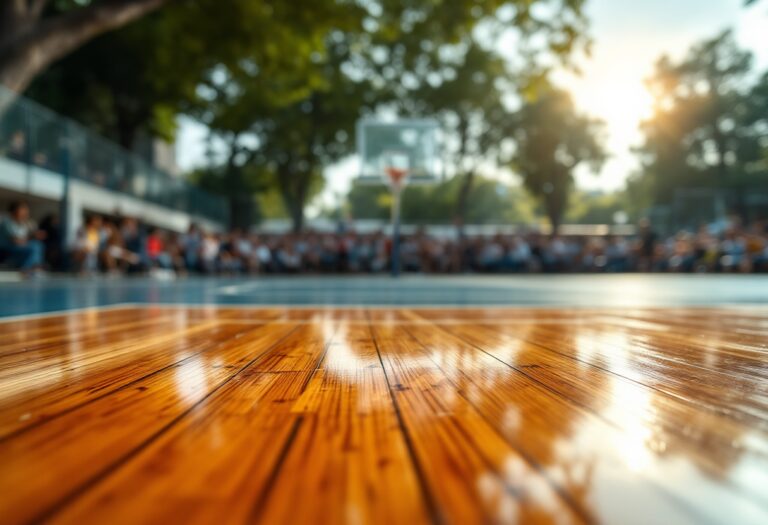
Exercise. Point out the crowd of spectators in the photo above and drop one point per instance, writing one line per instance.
(123, 245)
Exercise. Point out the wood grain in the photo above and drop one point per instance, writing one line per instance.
(351, 415)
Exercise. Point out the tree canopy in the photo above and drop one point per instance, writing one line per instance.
(552, 140)
(281, 84)
(709, 124)
(414, 59)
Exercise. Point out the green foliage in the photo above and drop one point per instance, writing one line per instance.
(709, 124)
(136, 80)
(493, 202)
(281, 84)
(119, 84)
(436, 65)
(551, 141)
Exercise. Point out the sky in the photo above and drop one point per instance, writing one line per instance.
(628, 37)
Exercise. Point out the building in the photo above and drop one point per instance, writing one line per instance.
(59, 166)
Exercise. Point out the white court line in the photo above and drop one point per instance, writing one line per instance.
(79, 309)
(569, 308)
(576, 308)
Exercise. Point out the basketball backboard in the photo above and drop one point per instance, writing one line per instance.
(403, 147)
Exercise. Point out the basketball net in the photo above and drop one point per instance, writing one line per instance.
(396, 176)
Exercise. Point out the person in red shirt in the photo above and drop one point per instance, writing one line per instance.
(156, 252)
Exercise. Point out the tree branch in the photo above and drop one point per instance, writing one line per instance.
(36, 7)
(51, 39)
(64, 33)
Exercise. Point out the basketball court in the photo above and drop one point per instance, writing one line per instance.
(601, 399)
(629, 399)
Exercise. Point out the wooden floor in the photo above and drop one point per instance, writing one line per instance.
(397, 416)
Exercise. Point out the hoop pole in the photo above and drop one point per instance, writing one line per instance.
(396, 189)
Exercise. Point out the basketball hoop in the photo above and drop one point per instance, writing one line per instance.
(397, 153)
(396, 176)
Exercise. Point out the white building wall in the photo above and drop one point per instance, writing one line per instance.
(83, 197)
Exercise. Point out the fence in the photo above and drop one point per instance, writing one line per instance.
(37, 137)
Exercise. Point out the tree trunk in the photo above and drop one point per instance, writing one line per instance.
(462, 201)
(555, 216)
(29, 44)
(241, 211)
(293, 193)
(297, 217)
(300, 200)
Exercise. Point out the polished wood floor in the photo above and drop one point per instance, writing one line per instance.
(397, 416)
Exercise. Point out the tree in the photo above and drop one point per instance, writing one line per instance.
(469, 103)
(142, 96)
(170, 60)
(36, 33)
(294, 126)
(442, 61)
(552, 141)
(707, 126)
(294, 114)
(299, 140)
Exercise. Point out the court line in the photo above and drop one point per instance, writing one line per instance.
(479, 306)
(77, 309)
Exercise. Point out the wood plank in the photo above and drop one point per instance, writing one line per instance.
(711, 443)
(364, 473)
(31, 332)
(625, 463)
(472, 473)
(219, 460)
(211, 467)
(348, 454)
(57, 458)
(31, 397)
(444, 415)
(725, 396)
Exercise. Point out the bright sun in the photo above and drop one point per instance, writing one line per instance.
(622, 105)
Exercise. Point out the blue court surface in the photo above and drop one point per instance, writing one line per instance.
(632, 290)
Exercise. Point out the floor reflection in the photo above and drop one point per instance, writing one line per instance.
(466, 416)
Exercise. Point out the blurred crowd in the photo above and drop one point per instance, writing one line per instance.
(124, 245)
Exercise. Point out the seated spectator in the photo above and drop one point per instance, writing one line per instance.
(191, 244)
(88, 245)
(491, 255)
(133, 240)
(101, 245)
(175, 251)
(263, 255)
(229, 260)
(20, 242)
(518, 255)
(209, 253)
(288, 258)
(617, 255)
(116, 258)
(157, 254)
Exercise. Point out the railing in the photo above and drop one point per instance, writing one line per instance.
(38, 137)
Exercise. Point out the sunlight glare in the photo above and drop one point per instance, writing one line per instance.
(622, 104)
